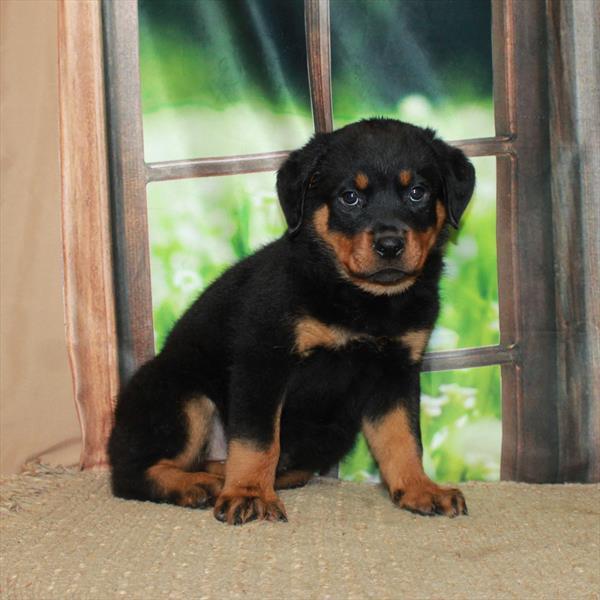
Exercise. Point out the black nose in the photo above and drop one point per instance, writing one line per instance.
(388, 246)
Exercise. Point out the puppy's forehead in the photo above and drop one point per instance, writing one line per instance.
(380, 151)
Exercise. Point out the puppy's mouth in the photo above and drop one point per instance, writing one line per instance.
(388, 276)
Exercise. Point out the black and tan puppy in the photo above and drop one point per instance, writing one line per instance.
(318, 335)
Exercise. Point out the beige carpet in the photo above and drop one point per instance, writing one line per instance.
(64, 536)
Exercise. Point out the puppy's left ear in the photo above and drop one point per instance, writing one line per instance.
(294, 178)
(458, 177)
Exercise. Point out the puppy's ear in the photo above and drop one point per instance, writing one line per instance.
(294, 178)
(458, 179)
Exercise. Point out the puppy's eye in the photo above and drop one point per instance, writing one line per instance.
(350, 198)
(416, 193)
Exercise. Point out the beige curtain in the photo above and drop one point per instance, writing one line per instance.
(37, 412)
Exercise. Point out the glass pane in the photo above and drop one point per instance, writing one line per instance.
(221, 78)
(200, 227)
(429, 63)
(461, 427)
(469, 287)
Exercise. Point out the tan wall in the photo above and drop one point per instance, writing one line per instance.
(37, 412)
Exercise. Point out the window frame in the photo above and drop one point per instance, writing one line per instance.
(533, 418)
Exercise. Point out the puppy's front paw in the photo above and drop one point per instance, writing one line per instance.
(239, 509)
(427, 498)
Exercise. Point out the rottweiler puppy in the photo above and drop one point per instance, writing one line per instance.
(315, 337)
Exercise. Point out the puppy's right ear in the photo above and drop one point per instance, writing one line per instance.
(295, 177)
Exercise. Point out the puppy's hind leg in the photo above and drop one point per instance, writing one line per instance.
(173, 479)
(161, 429)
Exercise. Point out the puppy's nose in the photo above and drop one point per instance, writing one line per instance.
(388, 246)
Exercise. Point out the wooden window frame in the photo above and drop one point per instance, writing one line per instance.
(108, 289)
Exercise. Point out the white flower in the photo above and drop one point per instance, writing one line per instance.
(187, 281)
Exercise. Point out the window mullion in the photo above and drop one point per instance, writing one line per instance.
(318, 50)
(467, 358)
(128, 186)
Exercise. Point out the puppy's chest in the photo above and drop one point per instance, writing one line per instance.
(312, 334)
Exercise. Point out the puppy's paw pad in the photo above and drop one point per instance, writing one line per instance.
(431, 500)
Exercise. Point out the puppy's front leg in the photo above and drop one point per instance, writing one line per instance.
(394, 438)
(253, 448)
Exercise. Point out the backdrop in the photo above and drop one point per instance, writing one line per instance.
(229, 77)
(222, 77)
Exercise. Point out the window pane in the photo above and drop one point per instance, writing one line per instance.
(460, 424)
(429, 63)
(221, 78)
(469, 287)
(200, 227)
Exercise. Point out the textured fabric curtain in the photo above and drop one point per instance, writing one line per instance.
(37, 413)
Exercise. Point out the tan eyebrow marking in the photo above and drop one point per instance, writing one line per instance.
(405, 176)
(361, 181)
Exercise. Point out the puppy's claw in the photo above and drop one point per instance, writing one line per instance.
(241, 510)
(431, 500)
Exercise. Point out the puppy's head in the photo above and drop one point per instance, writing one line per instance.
(378, 194)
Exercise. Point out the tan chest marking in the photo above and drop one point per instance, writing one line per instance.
(415, 341)
(312, 333)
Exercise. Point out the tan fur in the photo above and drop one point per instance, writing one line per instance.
(361, 181)
(384, 290)
(312, 333)
(292, 479)
(251, 471)
(170, 478)
(394, 447)
(415, 341)
(355, 255)
(171, 475)
(418, 244)
(405, 177)
(287, 479)
(249, 491)
(216, 467)
(199, 412)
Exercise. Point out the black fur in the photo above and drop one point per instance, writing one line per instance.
(236, 342)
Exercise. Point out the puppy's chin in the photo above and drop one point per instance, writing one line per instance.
(385, 282)
(391, 276)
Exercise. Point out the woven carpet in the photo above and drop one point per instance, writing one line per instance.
(64, 536)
